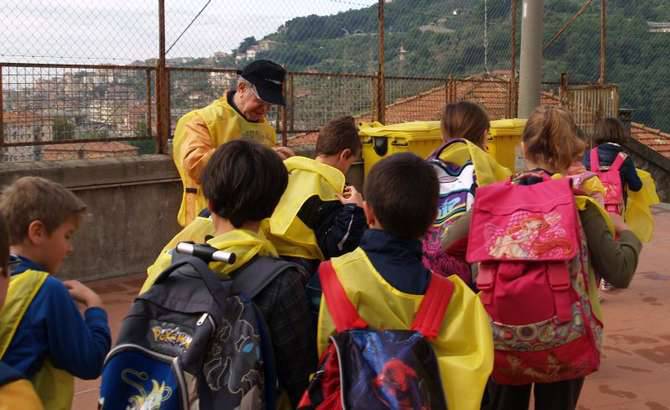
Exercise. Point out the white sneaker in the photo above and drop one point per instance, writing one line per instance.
(606, 286)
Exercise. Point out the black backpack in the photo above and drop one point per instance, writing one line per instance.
(194, 341)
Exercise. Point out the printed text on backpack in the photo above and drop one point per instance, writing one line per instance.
(193, 341)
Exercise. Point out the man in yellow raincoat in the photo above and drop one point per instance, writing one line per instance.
(240, 113)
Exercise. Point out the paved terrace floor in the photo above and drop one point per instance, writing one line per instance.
(635, 371)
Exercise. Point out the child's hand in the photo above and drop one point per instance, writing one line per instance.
(351, 196)
(284, 152)
(619, 224)
(83, 294)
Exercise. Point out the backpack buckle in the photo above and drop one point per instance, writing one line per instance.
(559, 280)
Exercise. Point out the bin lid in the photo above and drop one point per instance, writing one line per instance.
(415, 130)
(509, 127)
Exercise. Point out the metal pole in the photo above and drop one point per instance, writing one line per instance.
(381, 83)
(284, 117)
(2, 118)
(603, 41)
(149, 130)
(512, 84)
(530, 76)
(291, 102)
(161, 86)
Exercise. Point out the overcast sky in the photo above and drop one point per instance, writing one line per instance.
(120, 31)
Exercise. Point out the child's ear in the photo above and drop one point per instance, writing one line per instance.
(370, 216)
(37, 232)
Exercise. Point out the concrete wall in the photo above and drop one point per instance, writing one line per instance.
(653, 162)
(132, 206)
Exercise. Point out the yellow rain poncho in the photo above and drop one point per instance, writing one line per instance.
(464, 348)
(307, 178)
(487, 168)
(638, 215)
(244, 244)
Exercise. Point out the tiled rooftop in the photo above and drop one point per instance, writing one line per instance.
(490, 93)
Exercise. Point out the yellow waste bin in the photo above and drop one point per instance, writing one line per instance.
(504, 142)
(380, 141)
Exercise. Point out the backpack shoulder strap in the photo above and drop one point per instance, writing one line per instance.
(595, 160)
(618, 161)
(252, 278)
(8, 374)
(433, 307)
(436, 154)
(343, 312)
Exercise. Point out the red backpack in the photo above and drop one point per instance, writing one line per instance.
(365, 368)
(611, 179)
(533, 277)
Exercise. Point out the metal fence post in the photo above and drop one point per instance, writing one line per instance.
(284, 117)
(603, 41)
(2, 116)
(162, 86)
(149, 130)
(291, 101)
(512, 87)
(381, 83)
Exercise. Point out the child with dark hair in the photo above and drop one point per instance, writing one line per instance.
(43, 334)
(463, 165)
(465, 120)
(385, 279)
(319, 217)
(243, 182)
(608, 136)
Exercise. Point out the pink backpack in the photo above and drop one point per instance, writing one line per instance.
(533, 277)
(611, 180)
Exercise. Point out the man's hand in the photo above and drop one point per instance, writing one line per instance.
(284, 152)
(83, 294)
(351, 196)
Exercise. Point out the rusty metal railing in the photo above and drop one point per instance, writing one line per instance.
(46, 104)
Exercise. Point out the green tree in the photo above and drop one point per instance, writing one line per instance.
(62, 129)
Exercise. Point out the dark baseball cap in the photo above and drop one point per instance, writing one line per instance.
(268, 78)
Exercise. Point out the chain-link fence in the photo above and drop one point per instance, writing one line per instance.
(638, 43)
(55, 88)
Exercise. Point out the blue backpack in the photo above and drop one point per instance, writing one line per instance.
(194, 341)
(365, 368)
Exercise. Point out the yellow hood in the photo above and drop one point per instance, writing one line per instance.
(487, 168)
(244, 244)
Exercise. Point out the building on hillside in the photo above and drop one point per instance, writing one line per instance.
(24, 127)
(659, 27)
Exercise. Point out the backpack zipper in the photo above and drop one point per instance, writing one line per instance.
(339, 366)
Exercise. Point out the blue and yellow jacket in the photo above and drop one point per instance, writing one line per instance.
(44, 337)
